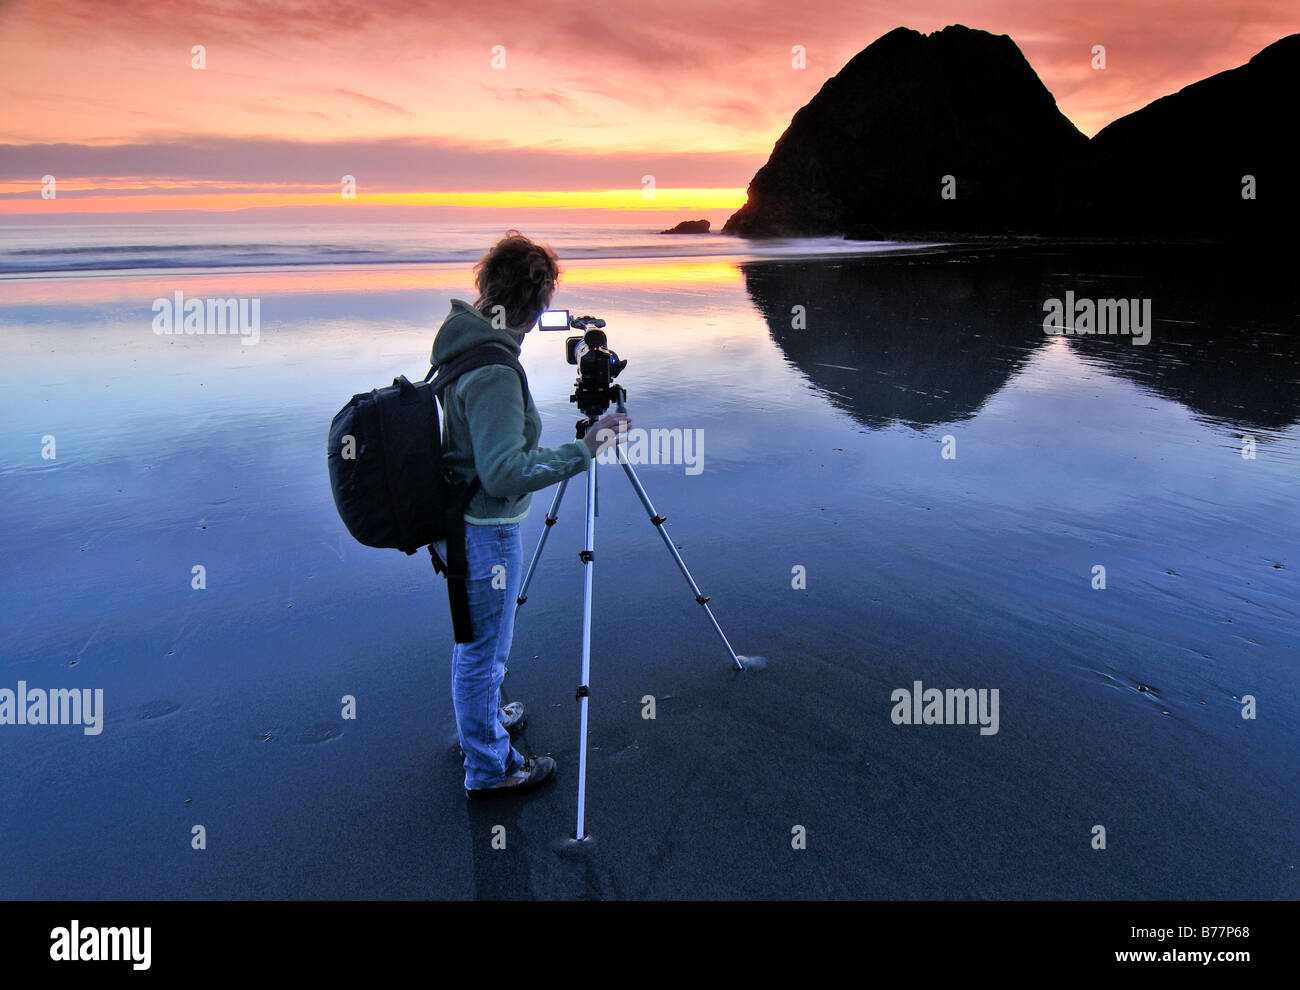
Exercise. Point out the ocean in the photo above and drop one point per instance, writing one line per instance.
(34, 250)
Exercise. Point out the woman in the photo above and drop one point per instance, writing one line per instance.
(490, 430)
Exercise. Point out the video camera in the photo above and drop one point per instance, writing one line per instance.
(598, 366)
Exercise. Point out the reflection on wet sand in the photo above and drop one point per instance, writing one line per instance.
(927, 340)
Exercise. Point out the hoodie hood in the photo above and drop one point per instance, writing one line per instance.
(464, 328)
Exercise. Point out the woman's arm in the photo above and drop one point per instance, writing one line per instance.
(494, 410)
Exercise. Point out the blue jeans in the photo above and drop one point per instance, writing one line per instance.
(495, 556)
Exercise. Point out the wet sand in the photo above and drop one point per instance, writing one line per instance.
(1119, 708)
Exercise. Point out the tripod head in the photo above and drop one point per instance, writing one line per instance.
(581, 427)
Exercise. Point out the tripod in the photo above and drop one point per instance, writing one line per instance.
(588, 563)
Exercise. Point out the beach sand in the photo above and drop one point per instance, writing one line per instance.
(822, 450)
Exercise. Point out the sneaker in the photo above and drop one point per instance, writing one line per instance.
(512, 716)
(535, 772)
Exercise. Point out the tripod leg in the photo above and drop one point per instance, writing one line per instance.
(551, 516)
(588, 565)
(658, 521)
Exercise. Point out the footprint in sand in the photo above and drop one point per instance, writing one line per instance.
(320, 733)
(311, 735)
(159, 709)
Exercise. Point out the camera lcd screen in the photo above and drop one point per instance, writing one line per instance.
(554, 319)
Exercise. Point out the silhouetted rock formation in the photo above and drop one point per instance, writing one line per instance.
(867, 156)
(873, 146)
(689, 227)
(1177, 165)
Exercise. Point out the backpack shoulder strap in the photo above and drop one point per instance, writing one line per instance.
(456, 566)
(478, 357)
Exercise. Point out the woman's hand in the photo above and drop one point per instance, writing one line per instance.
(605, 432)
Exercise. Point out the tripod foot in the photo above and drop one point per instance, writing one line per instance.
(574, 849)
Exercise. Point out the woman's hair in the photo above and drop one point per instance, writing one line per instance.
(517, 275)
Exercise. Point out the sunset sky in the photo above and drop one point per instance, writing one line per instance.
(584, 99)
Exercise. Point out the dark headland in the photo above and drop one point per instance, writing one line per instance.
(954, 133)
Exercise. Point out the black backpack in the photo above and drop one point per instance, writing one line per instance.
(387, 476)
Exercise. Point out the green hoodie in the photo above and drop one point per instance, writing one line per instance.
(488, 428)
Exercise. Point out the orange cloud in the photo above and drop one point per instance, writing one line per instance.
(509, 95)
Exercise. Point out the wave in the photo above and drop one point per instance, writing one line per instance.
(51, 252)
